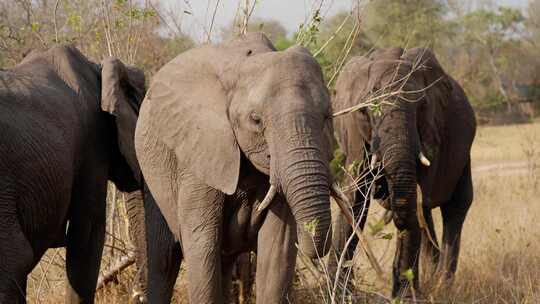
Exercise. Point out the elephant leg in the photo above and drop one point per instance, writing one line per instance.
(342, 231)
(200, 216)
(243, 264)
(163, 253)
(85, 240)
(430, 253)
(137, 232)
(453, 214)
(405, 266)
(227, 277)
(16, 255)
(276, 254)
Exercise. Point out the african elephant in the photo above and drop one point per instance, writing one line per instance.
(422, 129)
(67, 127)
(221, 126)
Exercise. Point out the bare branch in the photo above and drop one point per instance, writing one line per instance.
(112, 272)
(54, 21)
(209, 39)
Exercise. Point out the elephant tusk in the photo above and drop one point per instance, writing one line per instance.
(374, 160)
(423, 159)
(268, 198)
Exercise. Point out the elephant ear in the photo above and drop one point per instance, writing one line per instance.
(122, 90)
(429, 74)
(190, 106)
(120, 84)
(354, 129)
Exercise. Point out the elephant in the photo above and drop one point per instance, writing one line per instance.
(422, 128)
(66, 127)
(234, 142)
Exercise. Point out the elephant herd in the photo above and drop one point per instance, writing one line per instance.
(230, 148)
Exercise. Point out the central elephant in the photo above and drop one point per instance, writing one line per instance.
(221, 126)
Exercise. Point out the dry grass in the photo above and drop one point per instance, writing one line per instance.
(500, 257)
(496, 144)
(500, 253)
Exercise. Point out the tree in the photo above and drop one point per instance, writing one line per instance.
(391, 23)
(532, 23)
(341, 38)
(272, 28)
(494, 31)
(129, 30)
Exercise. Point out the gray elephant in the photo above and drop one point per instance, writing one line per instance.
(423, 136)
(59, 146)
(234, 143)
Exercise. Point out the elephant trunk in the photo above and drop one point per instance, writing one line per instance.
(303, 175)
(400, 156)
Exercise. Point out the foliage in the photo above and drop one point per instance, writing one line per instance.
(337, 163)
(123, 28)
(491, 51)
(272, 28)
(307, 34)
(406, 23)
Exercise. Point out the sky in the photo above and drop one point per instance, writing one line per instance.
(291, 13)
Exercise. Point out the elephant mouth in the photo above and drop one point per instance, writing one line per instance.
(260, 160)
(263, 167)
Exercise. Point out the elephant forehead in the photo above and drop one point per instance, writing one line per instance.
(293, 64)
(364, 78)
(271, 74)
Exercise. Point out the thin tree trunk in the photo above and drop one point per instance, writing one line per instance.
(498, 78)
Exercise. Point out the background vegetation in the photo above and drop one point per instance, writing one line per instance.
(491, 50)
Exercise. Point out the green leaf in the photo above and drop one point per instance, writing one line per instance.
(403, 233)
(387, 236)
(311, 226)
(35, 26)
(347, 264)
(376, 227)
(408, 275)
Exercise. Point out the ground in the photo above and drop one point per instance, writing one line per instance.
(500, 257)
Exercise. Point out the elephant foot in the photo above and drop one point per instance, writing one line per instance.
(443, 280)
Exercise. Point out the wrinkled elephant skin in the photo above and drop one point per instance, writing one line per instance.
(66, 127)
(219, 127)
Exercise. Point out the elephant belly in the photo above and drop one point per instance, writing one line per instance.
(40, 179)
(43, 218)
(450, 168)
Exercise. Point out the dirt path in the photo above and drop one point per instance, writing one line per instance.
(501, 169)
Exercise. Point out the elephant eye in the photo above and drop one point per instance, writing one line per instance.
(256, 119)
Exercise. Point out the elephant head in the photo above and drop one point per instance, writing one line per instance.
(402, 129)
(215, 106)
(115, 88)
(122, 92)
